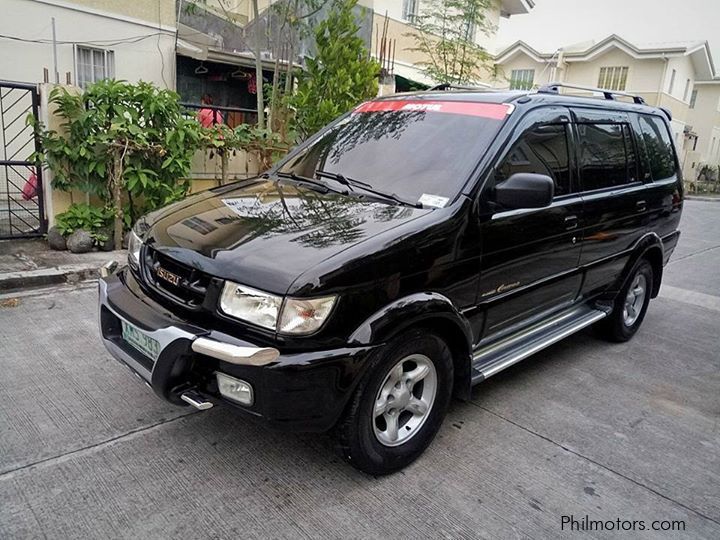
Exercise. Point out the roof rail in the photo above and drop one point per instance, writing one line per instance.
(554, 88)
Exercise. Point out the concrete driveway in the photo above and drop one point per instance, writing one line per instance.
(585, 428)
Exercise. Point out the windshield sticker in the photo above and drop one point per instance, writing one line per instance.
(436, 201)
(496, 111)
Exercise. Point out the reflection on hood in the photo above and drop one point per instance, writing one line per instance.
(279, 228)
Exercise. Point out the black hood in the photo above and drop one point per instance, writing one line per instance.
(265, 233)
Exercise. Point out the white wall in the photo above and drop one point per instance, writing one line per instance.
(705, 121)
(394, 11)
(643, 75)
(683, 71)
(543, 71)
(31, 20)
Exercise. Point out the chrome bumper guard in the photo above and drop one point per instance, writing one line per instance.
(227, 352)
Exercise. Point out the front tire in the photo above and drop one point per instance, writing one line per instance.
(630, 305)
(399, 404)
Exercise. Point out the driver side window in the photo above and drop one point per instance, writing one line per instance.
(542, 149)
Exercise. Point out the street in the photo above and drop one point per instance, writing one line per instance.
(584, 428)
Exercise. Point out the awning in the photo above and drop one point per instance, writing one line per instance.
(192, 51)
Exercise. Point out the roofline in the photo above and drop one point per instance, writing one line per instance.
(613, 40)
(525, 7)
(518, 46)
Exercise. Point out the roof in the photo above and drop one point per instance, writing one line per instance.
(698, 51)
(515, 7)
(515, 97)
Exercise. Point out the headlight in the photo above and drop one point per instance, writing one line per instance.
(134, 245)
(293, 316)
(250, 305)
(300, 316)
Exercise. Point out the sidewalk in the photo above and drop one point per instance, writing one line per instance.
(31, 263)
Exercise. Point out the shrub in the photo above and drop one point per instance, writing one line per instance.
(129, 144)
(79, 216)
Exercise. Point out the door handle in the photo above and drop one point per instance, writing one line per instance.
(571, 222)
(641, 206)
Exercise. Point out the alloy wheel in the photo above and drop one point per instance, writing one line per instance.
(405, 399)
(634, 300)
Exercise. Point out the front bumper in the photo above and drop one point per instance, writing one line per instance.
(296, 392)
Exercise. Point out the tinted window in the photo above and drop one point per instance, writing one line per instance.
(659, 147)
(541, 150)
(607, 156)
(406, 148)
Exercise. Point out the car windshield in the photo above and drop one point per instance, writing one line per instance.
(418, 150)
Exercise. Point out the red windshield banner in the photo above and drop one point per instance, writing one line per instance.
(496, 111)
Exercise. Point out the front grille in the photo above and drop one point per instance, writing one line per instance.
(191, 286)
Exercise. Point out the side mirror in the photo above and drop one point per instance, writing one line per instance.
(525, 190)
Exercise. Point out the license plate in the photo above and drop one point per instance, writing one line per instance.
(150, 347)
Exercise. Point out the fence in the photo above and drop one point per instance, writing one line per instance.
(206, 167)
(214, 114)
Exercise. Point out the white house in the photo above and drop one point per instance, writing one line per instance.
(94, 39)
(665, 75)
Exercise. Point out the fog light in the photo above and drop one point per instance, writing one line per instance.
(235, 389)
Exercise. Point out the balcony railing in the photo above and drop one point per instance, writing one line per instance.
(231, 116)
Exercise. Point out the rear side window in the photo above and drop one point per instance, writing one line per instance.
(542, 150)
(659, 147)
(607, 156)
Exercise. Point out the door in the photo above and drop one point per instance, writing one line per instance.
(530, 257)
(614, 195)
(21, 194)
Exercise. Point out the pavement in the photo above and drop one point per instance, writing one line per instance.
(585, 428)
(31, 263)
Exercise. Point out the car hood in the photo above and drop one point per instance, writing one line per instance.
(265, 233)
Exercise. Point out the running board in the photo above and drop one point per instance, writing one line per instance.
(493, 358)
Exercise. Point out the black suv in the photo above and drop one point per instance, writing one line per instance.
(413, 248)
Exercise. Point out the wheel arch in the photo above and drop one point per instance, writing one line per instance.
(649, 247)
(425, 310)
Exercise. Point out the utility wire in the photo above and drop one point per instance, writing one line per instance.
(107, 42)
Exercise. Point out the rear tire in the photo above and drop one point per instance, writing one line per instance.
(399, 404)
(630, 305)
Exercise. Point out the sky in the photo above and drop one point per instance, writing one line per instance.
(554, 23)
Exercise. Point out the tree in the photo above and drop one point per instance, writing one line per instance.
(295, 19)
(129, 144)
(445, 33)
(340, 76)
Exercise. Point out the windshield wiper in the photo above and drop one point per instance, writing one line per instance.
(352, 184)
(307, 180)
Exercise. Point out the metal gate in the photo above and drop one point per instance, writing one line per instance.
(22, 212)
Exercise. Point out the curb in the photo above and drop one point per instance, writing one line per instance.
(701, 198)
(25, 279)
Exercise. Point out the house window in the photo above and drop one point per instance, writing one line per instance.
(613, 78)
(522, 79)
(687, 90)
(671, 86)
(693, 99)
(93, 65)
(410, 9)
